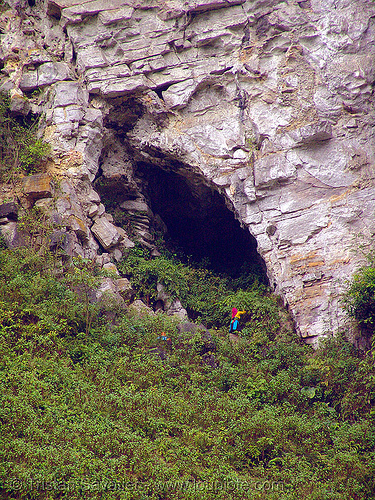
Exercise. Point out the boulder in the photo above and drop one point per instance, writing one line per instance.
(37, 186)
(106, 233)
(187, 330)
(165, 303)
(9, 210)
(19, 105)
(12, 236)
(139, 308)
(78, 226)
(124, 288)
(111, 268)
(126, 242)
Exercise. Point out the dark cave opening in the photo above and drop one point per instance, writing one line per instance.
(200, 224)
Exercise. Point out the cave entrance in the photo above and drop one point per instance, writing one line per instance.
(200, 224)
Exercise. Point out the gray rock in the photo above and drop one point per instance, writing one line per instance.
(69, 94)
(51, 72)
(12, 236)
(106, 233)
(135, 205)
(271, 169)
(9, 210)
(19, 105)
(46, 74)
(78, 226)
(29, 81)
(313, 132)
(108, 295)
(139, 308)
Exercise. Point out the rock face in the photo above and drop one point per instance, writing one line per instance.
(37, 186)
(270, 103)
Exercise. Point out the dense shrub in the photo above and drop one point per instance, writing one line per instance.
(359, 299)
(207, 296)
(93, 411)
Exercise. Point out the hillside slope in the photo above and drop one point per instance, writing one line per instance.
(94, 404)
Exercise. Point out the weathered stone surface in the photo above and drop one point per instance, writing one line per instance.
(69, 94)
(46, 74)
(107, 292)
(124, 288)
(125, 242)
(11, 234)
(123, 285)
(78, 226)
(9, 210)
(171, 307)
(106, 233)
(19, 105)
(314, 132)
(139, 308)
(37, 186)
(271, 169)
(135, 205)
(111, 267)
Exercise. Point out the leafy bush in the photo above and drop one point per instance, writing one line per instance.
(98, 413)
(208, 297)
(359, 299)
(20, 149)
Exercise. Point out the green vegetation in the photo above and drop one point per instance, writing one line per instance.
(90, 410)
(359, 299)
(20, 149)
(207, 296)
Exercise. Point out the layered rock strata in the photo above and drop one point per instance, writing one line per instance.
(268, 102)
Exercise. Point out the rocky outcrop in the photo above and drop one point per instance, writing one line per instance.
(267, 102)
(37, 186)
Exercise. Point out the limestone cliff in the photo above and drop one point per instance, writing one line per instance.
(267, 102)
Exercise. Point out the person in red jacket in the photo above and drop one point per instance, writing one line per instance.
(234, 326)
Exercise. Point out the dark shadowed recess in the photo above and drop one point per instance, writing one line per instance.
(200, 223)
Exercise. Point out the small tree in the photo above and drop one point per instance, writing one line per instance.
(84, 278)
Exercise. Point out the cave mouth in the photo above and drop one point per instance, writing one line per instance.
(200, 224)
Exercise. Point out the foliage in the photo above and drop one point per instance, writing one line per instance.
(206, 295)
(96, 407)
(359, 298)
(20, 149)
(36, 228)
